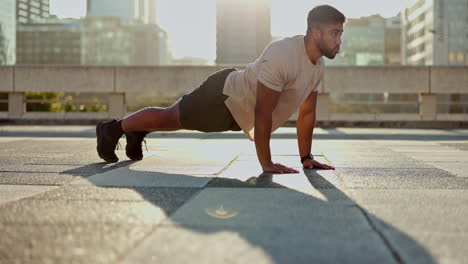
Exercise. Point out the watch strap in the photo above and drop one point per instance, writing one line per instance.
(307, 157)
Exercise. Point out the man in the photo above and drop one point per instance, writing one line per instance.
(257, 100)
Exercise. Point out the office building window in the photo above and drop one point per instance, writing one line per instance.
(451, 57)
(460, 57)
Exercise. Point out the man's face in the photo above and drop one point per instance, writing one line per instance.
(330, 40)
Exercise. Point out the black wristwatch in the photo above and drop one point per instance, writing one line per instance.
(307, 157)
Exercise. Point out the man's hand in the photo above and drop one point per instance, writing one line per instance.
(278, 168)
(310, 164)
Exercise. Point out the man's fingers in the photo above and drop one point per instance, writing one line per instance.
(328, 167)
(285, 169)
(322, 166)
(279, 168)
(318, 165)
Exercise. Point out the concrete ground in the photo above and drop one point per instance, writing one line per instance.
(397, 196)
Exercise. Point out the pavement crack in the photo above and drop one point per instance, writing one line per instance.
(227, 166)
(387, 243)
(121, 258)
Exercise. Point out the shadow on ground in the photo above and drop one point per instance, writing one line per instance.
(330, 230)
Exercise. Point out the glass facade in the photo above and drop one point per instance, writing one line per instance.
(126, 10)
(49, 42)
(109, 41)
(363, 42)
(28, 10)
(7, 32)
(435, 33)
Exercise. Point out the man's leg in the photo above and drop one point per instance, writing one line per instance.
(139, 124)
(153, 119)
(136, 127)
(203, 109)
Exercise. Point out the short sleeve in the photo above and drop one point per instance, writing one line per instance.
(319, 81)
(271, 69)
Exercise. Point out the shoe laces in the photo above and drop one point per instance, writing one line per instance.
(118, 146)
(146, 147)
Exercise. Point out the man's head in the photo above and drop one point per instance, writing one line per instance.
(325, 26)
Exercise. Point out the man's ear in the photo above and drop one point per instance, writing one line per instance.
(315, 32)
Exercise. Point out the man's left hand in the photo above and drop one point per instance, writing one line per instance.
(311, 164)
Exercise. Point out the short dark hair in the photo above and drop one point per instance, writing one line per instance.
(324, 15)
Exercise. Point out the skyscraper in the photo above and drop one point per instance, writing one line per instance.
(28, 10)
(242, 30)
(363, 42)
(371, 40)
(49, 41)
(123, 32)
(126, 10)
(7, 31)
(435, 32)
(393, 40)
(108, 41)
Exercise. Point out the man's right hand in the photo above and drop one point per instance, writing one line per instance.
(278, 168)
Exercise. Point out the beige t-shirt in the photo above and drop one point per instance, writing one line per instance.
(283, 66)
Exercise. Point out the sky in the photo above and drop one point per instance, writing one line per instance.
(191, 24)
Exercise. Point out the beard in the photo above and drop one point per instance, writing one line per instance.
(327, 52)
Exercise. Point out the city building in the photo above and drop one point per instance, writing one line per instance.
(28, 10)
(363, 42)
(435, 32)
(392, 41)
(242, 30)
(7, 32)
(126, 10)
(164, 48)
(371, 40)
(49, 41)
(110, 41)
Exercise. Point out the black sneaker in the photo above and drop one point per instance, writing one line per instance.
(108, 135)
(133, 149)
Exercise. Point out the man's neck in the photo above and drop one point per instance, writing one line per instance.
(311, 49)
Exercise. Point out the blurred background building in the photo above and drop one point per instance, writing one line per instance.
(117, 32)
(50, 41)
(435, 32)
(123, 32)
(392, 41)
(110, 41)
(28, 10)
(372, 40)
(7, 32)
(126, 10)
(242, 30)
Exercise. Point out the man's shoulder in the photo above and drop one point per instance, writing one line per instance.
(286, 41)
(283, 48)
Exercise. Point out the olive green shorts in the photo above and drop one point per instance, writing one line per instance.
(204, 109)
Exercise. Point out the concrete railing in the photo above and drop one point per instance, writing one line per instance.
(116, 81)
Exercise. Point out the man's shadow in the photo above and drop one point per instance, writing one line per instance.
(229, 215)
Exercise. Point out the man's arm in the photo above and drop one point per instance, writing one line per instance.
(266, 101)
(305, 128)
